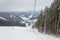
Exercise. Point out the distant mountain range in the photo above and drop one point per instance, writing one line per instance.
(17, 18)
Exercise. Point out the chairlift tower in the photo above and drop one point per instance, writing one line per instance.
(34, 5)
(45, 22)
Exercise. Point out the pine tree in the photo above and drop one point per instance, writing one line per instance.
(52, 18)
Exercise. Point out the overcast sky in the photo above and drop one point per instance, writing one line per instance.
(23, 5)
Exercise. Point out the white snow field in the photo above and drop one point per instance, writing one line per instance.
(23, 33)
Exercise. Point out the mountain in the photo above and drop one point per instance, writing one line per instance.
(16, 18)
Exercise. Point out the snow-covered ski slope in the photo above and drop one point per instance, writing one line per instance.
(22, 33)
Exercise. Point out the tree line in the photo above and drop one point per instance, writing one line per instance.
(49, 19)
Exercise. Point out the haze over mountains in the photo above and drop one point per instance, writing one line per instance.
(17, 18)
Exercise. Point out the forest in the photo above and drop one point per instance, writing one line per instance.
(49, 19)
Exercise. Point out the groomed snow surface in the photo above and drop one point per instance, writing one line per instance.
(23, 33)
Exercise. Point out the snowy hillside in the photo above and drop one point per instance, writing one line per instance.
(17, 18)
(3, 18)
(22, 33)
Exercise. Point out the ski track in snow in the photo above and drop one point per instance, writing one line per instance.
(22, 33)
(3, 18)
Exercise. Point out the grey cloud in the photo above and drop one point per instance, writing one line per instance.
(7, 5)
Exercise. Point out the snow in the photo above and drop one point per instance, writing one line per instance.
(31, 16)
(3, 18)
(11, 15)
(25, 18)
(22, 22)
(34, 20)
(23, 33)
